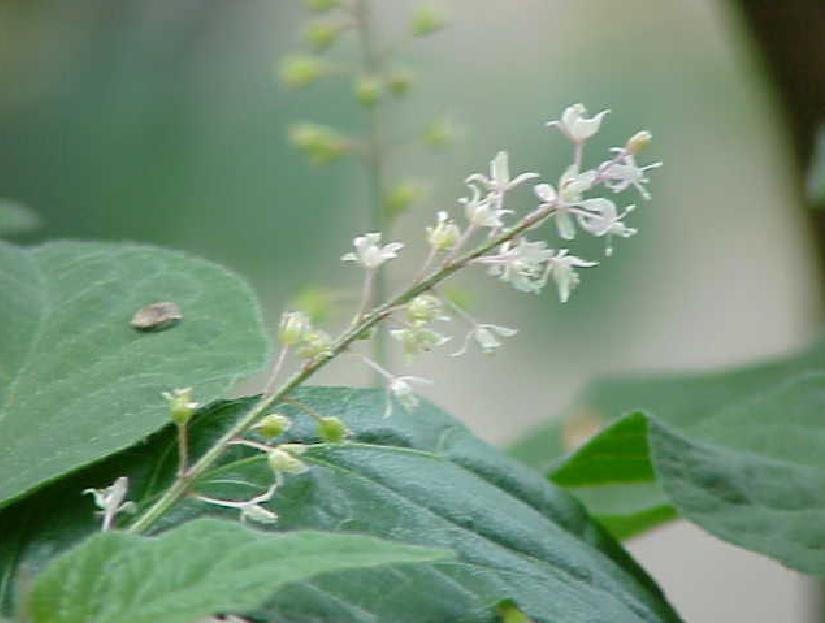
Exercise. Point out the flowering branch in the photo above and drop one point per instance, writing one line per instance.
(506, 253)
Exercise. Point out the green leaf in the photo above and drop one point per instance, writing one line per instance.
(16, 218)
(419, 478)
(121, 578)
(77, 382)
(741, 453)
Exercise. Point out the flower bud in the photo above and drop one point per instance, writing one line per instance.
(321, 144)
(331, 429)
(273, 425)
(321, 6)
(181, 405)
(368, 90)
(294, 326)
(316, 342)
(416, 338)
(299, 70)
(638, 142)
(401, 196)
(399, 82)
(444, 235)
(320, 35)
(283, 462)
(426, 21)
(424, 308)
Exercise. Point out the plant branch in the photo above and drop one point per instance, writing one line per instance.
(182, 484)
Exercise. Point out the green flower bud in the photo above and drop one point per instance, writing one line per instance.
(181, 405)
(316, 342)
(424, 308)
(438, 134)
(321, 6)
(294, 325)
(444, 235)
(320, 35)
(426, 21)
(299, 70)
(331, 429)
(401, 196)
(284, 462)
(399, 82)
(273, 425)
(320, 143)
(638, 142)
(368, 90)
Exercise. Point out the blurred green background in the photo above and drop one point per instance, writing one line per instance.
(162, 121)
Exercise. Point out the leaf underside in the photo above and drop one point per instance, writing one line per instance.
(418, 478)
(77, 382)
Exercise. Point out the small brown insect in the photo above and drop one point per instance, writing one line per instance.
(157, 317)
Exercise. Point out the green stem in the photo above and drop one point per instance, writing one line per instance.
(182, 484)
(375, 160)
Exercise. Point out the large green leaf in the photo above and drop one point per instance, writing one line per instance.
(741, 453)
(419, 478)
(202, 568)
(77, 382)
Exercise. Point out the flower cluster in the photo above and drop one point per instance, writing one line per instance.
(573, 204)
(485, 218)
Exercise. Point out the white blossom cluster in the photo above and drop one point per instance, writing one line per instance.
(527, 265)
(574, 206)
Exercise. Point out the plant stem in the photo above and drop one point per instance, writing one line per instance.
(183, 449)
(375, 157)
(182, 484)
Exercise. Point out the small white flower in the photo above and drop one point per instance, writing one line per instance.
(417, 338)
(575, 126)
(600, 218)
(561, 267)
(250, 510)
(110, 501)
(369, 252)
(486, 336)
(572, 185)
(400, 388)
(522, 264)
(480, 211)
(444, 235)
(499, 181)
(619, 175)
(294, 325)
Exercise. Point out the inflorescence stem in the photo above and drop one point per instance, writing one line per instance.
(181, 486)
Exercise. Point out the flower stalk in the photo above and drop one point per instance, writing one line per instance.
(183, 483)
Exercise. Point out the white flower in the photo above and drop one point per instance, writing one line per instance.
(599, 218)
(250, 510)
(481, 212)
(499, 181)
(619, 175)
(110, 500)
(522, 265)
(561, 267)
(369, 252)
(571, 186)
(575, 126)
(417, 338)
(486, 336)
(399, 387)
(293, 328)
(444, 235)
